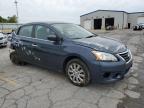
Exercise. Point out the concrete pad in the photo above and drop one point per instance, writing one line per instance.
(132, 94)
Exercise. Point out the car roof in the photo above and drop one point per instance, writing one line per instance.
(49, 23)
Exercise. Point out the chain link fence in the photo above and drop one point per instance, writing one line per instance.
(8, 27)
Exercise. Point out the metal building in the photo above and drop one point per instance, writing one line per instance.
(101, 19)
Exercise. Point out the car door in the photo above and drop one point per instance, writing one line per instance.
(24, 43)
(47, 53)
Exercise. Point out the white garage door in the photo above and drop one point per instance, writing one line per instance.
(87, 24)
(140, 20)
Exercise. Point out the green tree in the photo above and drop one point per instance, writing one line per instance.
(3, 20)
(12, 19)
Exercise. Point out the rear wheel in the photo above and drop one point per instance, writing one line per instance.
(77, 72)
(15, 59)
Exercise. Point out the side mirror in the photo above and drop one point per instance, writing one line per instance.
(52, 38)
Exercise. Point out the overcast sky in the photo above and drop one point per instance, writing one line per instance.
(64, 10)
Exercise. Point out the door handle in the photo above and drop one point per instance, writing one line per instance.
(34, 45)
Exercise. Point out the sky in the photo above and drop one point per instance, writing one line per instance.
(64, 10)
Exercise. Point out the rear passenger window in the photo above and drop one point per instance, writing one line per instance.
(26, 31)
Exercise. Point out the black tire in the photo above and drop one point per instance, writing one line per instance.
(15, 59)
(86, 79)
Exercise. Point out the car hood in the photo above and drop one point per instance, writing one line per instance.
(103, 44)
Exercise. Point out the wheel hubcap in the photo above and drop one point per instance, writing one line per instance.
(76, 73)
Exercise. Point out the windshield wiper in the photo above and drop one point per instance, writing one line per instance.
(91, 36)
(76, 38)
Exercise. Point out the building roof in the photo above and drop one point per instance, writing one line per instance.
(111, 11)
(136, 12)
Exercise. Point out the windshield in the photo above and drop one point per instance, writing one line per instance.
(72, 31)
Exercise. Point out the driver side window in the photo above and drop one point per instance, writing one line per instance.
(43, 32)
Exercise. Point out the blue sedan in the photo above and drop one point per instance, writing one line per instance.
(64, 47)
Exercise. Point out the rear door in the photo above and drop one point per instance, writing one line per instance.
(24, 41)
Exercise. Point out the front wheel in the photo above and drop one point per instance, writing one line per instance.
(77, 72)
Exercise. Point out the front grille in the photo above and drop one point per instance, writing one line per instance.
(126, 56)
(1, 38)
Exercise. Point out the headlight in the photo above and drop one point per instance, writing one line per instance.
(102, 56)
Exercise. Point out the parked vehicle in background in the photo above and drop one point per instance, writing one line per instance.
(142, 24)
(3, 40)
(69, 48)
(138, 27)
(109, 28)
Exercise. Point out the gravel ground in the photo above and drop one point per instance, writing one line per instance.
(135, 41)
(33, 87)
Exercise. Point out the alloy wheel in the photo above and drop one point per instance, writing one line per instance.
(76, 73)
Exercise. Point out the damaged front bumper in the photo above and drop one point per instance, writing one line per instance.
(107, 72)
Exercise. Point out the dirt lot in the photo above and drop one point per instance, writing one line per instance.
(33, 87)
